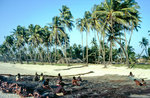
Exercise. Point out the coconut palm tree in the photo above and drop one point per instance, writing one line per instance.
(35, 37)
(81, 28)
(117, 12)
(66, 20)
(144, 43)
(20, 35)
(57, 30)
(47, 40)
(9, 42)
(3, 52)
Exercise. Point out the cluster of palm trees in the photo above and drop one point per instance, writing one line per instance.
(110, 20)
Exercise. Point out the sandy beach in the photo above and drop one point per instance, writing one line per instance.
(91, 70)
(89, 73)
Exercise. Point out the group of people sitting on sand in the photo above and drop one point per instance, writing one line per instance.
(60, 85)
(38, 92)
(137, 82)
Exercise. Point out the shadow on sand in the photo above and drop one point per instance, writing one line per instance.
(70, 68)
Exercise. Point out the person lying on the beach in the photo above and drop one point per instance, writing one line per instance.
(5, 87)
(137, 82)
(25, 93)
(75, 82)
(41, 77)
(143, 82)
(41, 92)
(60, 89)
(36, 78)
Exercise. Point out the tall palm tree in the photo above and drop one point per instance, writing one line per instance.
(57, 29)
(20, 35)
(116, 12)
(80, 26)
(3, 52)
(144, 43)
(47, 40)
(66, 20)
(9, 42)
(35, 37)
(85, 25)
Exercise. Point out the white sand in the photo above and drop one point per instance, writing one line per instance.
(98, 70)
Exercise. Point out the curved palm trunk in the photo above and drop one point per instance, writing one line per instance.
(63, 52)
(82, 48)
(110, 54)
(34, 61)
(55, 52)
(103, 50)
(130, 38)
(126, 47)
(20, 58)
(86, 49)
(48, 56)
(121, 48)
(99, 46)
(41, 58)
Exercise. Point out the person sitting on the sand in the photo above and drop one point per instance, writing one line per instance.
(131, 76)
(60, 90)
(79, 78)
(137, 82)
(59, 77)
(46, 84)
(18, 77)
(41, 77)
(143, 82)
(75, 82)
(36, 78)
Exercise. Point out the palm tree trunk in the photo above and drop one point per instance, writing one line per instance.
(86, 49)
(50, 55)
(63, 52)
(126, 48)
(34, 58)
(99, 46)
(110, 53)
(141, 53)
(20, 59)
(82, 48)
(121, 48)
(130, 38)
(105, 66)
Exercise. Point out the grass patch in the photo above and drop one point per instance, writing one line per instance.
(141, 66)
(118, 65)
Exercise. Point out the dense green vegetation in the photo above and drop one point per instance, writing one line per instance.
(111, 21)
